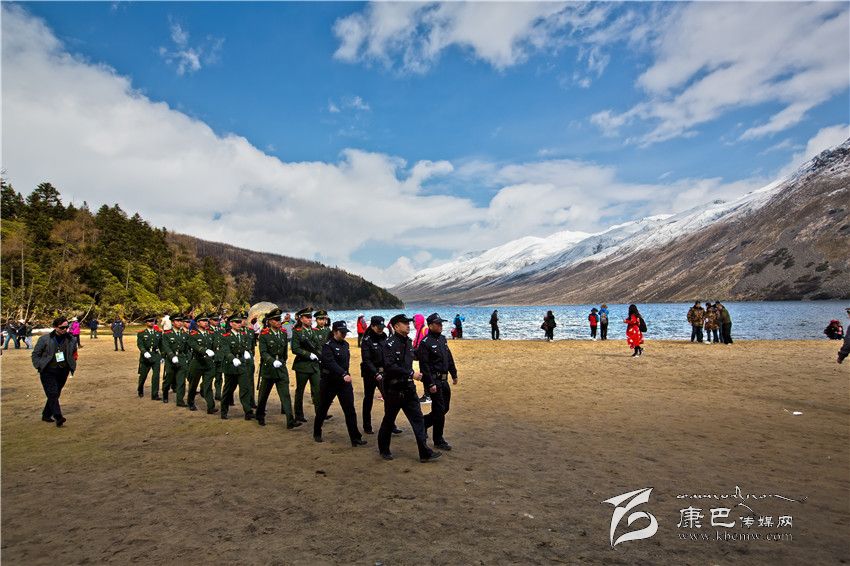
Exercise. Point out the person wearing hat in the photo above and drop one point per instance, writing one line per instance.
(202, 366)
(436, 364)
(323, 328)
(217, 330)
(336, 383)
(696, 316)
(371, 365)
(273, 354)
(175, 359)
(845, 349)
(307, 348)
(250, 365)
(148, 341)
(399, 390)
(235, 351)
(55, 357)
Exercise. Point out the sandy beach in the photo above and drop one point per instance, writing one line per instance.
(543, 434)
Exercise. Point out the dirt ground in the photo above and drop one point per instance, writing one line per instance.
(543, 434)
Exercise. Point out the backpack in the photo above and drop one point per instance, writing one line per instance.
(642, 324)
(603, 318)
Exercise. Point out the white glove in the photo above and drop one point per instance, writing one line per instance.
(210, 353)
(314, 357)
(247, 355)
(277, 363)
(236, 362)
(175, 360)
(147, 355)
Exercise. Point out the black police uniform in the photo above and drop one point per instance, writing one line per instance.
(372, 364)
(335, 360)
(400, 394)
(436, 363)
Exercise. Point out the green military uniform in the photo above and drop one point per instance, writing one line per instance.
(305, 341)
(273, 372)
(148, 342)
(202, 367)
(216, 330)
(175, 345)
(235, 352)
(251, 365)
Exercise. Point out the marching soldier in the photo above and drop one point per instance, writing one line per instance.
(273, 373)
(400, 391)
(202, 366)
(216, 330)
(148, 341)
(307, 348)
(182, 355)
(235, 346)
(323, 329)
(372, 365)
(251, 363)
(336, 383)
(436, 363)
(172, 344)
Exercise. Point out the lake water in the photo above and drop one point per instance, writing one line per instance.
(775, 320)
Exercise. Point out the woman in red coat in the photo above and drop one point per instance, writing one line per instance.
(634, 336)
(361, 328)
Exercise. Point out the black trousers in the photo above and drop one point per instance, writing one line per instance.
(696, 332)
(726, 331)
(118, 339)
(593, 332)
(53, 380)
(329, 389)
(407, 401)
(494, 331)
(603, 330)
(440, 402)
(369, 386)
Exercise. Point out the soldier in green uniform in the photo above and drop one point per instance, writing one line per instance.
(307, 348)
(148, 341)
(202, 366)
(273, 373)
(171, 344)
(216, 330)
(182, 353)
(250, 364)
(235, 346)
(323, 328)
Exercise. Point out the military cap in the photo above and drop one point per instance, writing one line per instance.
(377, 321)
(235, 317)
(399, 318)
(202, 316)
(321, 314)
(341, 326)
(178, 317)
(434, 317)
(151, 318)
(305, 312)
(274, 314)
(214, 316)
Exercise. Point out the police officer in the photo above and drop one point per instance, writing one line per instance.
(148, 341)
(307, 348)
(336, 383)
(400, 391)
(372, 365)
(202, 366)
(273, 373)
(235, 351)
(172, 343)
(436, 363)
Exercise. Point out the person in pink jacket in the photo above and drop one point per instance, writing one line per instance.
(74, 331)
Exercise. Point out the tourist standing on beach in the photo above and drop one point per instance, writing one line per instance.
(118, 333)
(148, 341)
(711, 323)
(361, 328)
(696, 316)
(725, 323)
(74, 331)
(400, 391)
(634, 330)
(458, 322)
(845, 349)
(436, 364)
(494, 325)
(603, 322)
(55, 357)
(593, 319)
(549, 325)
(834, 331)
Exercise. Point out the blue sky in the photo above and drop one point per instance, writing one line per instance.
(423, 131)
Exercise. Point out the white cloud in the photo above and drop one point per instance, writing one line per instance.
(188, 58)
(712, 58)
(355, 103)
(825, 138)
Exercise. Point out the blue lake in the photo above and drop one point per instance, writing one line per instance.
(776, 320)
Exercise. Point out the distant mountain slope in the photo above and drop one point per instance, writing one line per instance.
(293, 282)
(789, 240)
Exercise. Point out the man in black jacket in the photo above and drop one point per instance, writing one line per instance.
(400, 391)
(437, 363)
(372, 365)
(55, 356)
(336, 382)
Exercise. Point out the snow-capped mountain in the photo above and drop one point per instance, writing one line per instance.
(807, 211)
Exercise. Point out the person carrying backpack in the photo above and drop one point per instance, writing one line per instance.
(593, 319)
(603, 322)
